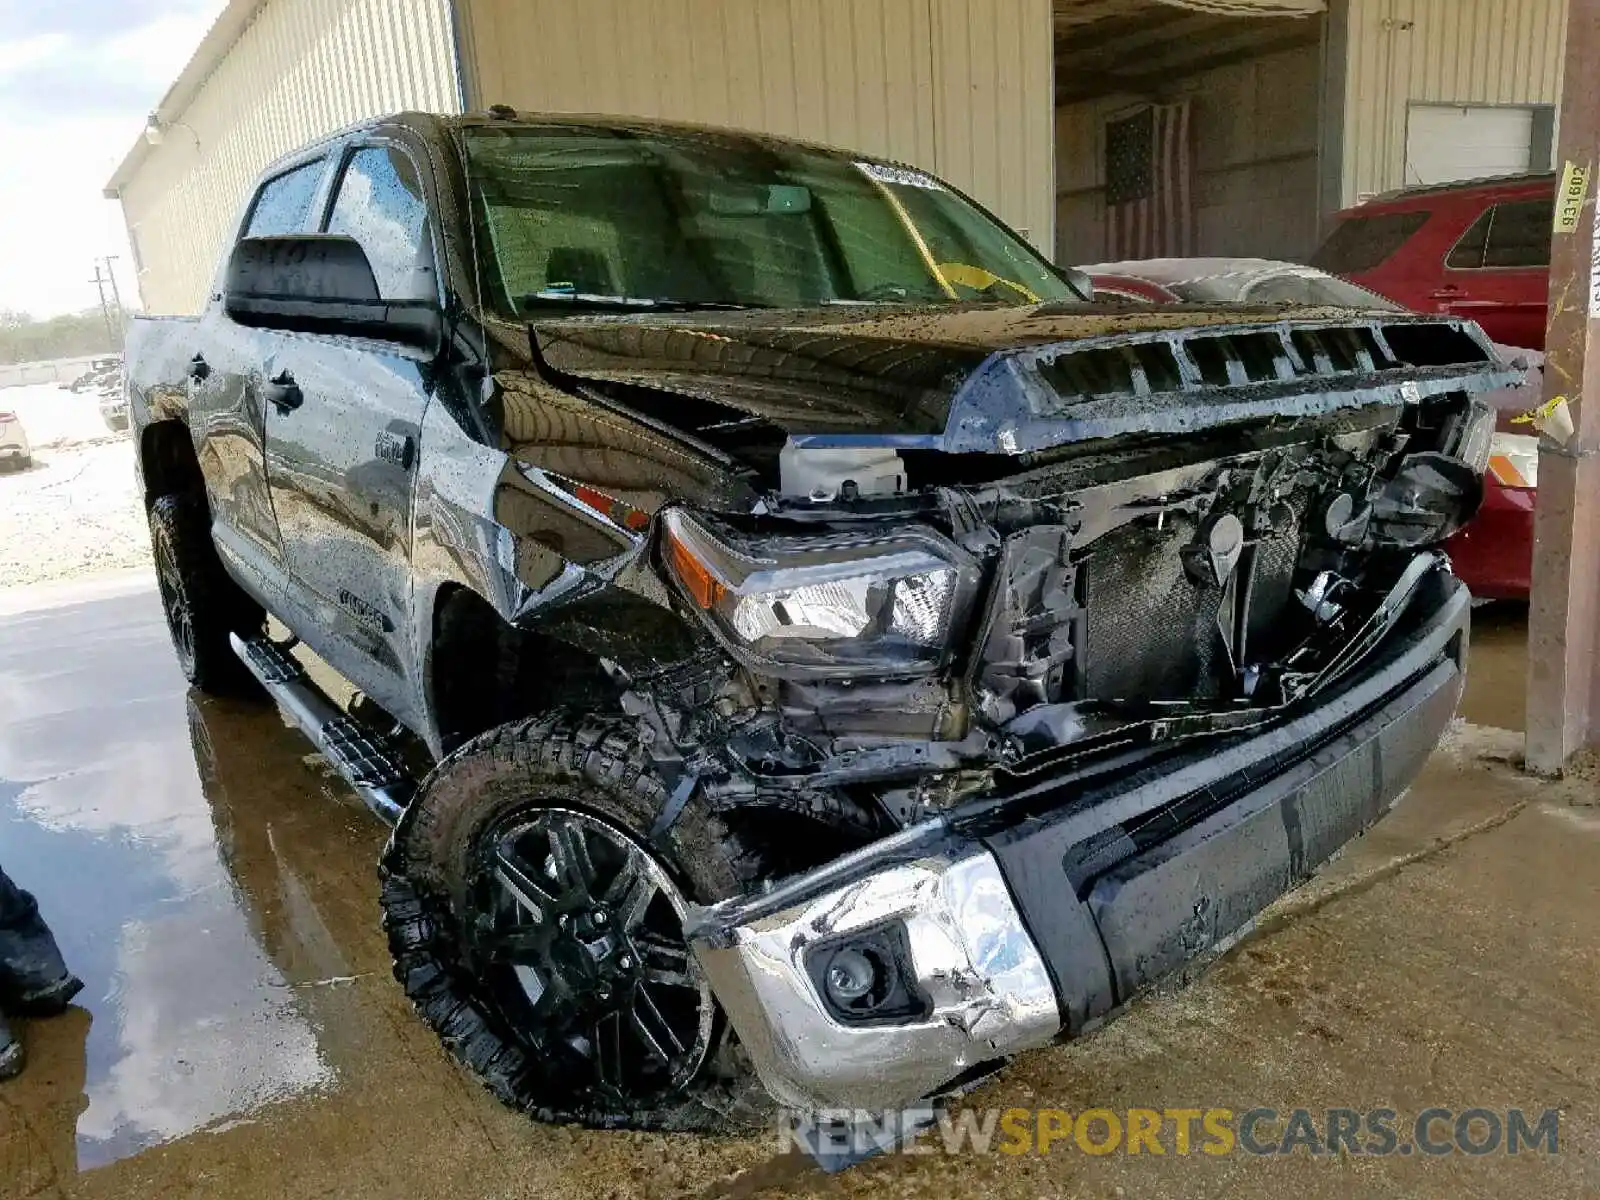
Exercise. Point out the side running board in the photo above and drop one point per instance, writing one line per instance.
(369, 762)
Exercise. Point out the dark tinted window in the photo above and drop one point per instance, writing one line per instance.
(1467, 254)
(1520, 235)
(1362, 243)
(380, 205)
(284, 202)
(1507, 235)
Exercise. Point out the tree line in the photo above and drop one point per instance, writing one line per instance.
(25, 338)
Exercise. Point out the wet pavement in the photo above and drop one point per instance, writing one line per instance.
(1498, 670)
(240, 1036)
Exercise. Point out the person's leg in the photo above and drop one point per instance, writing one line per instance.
(34, 980)
(10, 1051)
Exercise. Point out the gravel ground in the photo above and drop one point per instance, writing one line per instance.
(76, 512)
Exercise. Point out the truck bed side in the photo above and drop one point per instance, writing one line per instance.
(157, 368)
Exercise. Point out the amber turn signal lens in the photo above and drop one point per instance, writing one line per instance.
(694, 575)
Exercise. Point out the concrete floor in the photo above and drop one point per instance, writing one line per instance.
(240, 1035)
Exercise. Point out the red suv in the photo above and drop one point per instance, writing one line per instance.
(1479, 249)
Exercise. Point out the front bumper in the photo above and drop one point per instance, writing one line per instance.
(1021, 930)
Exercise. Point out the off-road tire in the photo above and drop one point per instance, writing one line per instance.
(595, 765)
(198, 596)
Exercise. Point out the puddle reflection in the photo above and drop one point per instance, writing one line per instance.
(138, 816)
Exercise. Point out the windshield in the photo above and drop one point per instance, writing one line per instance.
(1287, 287)
(619, 217)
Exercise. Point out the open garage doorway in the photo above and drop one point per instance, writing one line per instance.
(1187, 127)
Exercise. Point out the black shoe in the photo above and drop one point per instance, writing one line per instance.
(11, 1056)
(46, 1001)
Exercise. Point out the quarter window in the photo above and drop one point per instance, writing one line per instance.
(1507, 235)
(1467, 254)
(284, 202)
(380, 205)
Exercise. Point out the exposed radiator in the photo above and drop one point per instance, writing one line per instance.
(1151, 631)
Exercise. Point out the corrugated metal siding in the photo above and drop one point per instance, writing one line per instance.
(1439, 51)
(303, 68)
(963, 88)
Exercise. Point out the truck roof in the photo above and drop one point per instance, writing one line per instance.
(433, 124)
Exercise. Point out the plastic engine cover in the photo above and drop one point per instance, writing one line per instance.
(820, 473)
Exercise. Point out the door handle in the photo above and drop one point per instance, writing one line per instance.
(199, 368)
(1448, 292)
(284, 393)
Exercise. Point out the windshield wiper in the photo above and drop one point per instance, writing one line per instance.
(596, 302)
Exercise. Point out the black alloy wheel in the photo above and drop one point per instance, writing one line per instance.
(580, 934)
(203, 606)
(175, 603)
(538, 927)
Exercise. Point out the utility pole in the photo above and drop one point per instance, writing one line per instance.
(1563, 668)
(116, 296)
(105, 311)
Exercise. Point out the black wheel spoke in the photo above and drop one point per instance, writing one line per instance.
(570, 847)
(663, 963)
(652, 1028)
(608, 1051)
(177, 607)
(516, 944)
(518, 879)
(630, 894)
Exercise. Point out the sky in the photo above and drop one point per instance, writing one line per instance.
(77, 80)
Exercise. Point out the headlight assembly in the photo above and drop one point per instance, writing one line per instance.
(840, 603)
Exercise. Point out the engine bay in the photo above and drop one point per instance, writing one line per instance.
(907, 649)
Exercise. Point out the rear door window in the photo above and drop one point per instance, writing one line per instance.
(1508, 235)
(1363, 243)
(284, 202)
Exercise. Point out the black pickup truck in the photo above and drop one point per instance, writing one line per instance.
(808, 649)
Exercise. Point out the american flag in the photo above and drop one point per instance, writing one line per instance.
(1150, 184)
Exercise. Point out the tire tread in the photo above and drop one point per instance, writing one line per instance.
(594, 757)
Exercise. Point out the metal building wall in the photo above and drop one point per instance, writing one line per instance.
(1439, 51)
(298, 70)
(963, 88)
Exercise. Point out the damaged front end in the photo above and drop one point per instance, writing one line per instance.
(1156, 625)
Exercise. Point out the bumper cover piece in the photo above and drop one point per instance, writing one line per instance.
(1012, 943)
(970, 955)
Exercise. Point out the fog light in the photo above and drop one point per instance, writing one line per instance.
(868, 978)
(853, 977)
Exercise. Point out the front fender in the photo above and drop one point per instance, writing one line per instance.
(552, 528)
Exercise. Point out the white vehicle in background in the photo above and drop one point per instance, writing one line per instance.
(15, 452)
(114, 412)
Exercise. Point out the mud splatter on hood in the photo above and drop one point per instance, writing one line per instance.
(984, 379)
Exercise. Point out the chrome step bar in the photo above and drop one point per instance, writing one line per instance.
(369, 762)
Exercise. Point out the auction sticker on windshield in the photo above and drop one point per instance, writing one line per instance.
(901, 175)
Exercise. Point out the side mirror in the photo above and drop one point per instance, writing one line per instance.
(320, 283)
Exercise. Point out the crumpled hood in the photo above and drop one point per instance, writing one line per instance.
(1016, 379)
